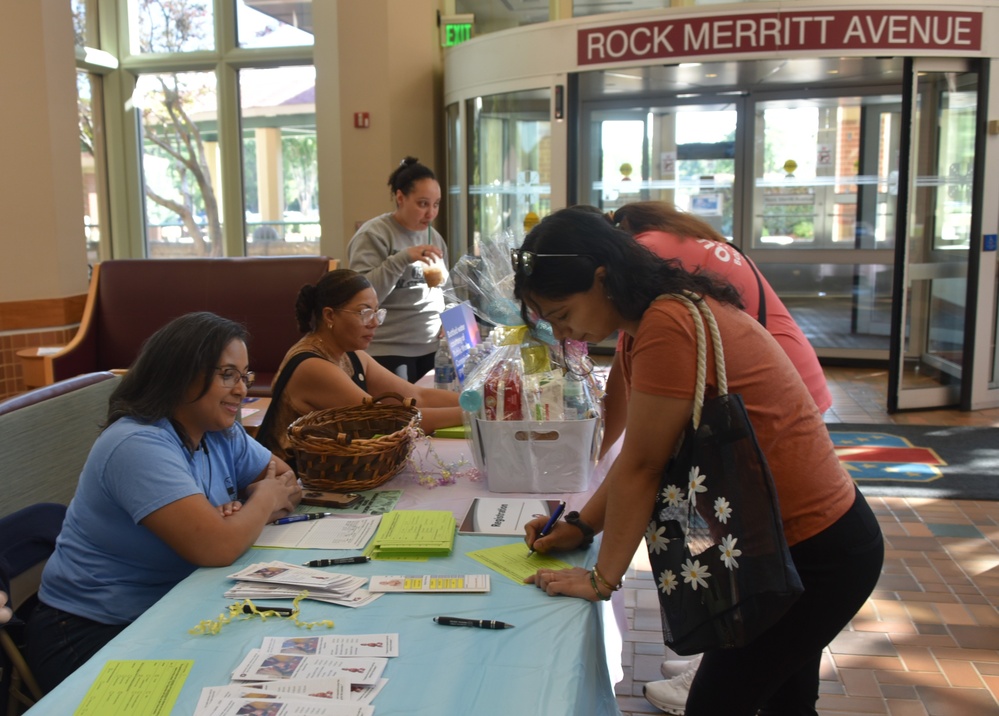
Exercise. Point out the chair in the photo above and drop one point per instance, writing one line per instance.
(45, 438)
(27, 539)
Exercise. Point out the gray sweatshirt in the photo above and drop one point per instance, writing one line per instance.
(413, 322)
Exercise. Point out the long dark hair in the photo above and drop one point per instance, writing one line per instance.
(641, 216)
(582, 239)
(333, 290)
(407, 174)
(180, 354)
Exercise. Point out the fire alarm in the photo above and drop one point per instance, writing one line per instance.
(362, 120)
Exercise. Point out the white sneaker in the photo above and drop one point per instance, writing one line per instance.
(675, 667)
(670, 695)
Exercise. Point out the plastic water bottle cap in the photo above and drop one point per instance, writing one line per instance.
(470, 400)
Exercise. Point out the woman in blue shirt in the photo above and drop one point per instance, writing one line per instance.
(173, 483)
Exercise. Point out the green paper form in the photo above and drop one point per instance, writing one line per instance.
(413, 534)
(511, 561)
(135, 688)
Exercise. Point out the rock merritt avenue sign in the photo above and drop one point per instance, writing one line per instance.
(895, 31)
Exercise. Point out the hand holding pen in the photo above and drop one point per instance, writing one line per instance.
(301, 517)
(549, 525)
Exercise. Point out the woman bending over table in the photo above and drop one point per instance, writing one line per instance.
(590, 279)
(171, 484)
(328, 367)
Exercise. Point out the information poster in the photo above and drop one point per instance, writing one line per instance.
(462, 333)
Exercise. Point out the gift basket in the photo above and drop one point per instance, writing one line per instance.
(531, 404)
(354, 448)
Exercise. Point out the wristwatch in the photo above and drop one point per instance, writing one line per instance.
(572, 518)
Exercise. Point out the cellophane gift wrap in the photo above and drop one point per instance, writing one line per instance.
(532, 405)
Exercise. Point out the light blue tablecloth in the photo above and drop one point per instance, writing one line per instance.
(552, 663)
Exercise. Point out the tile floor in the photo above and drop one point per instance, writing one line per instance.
(927, 641)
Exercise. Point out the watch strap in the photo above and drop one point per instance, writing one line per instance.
(573, 519)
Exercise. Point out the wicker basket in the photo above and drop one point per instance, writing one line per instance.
(355, 448)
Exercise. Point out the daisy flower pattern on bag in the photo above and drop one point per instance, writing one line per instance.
(729, 551)
(672, 495)
(694, 574)
(654, 538)
(723, 510)
(667, 582)
(695, 485)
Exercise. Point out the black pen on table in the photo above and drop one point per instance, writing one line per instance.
(305, 517)
(550, 524)
(477, 623)
(339, 560)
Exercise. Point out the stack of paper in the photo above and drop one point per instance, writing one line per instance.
(334, 532)
(413, 535)
(281, 580)
(305, 676)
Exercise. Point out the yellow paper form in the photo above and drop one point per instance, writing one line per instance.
(511, 561)
(135, 688)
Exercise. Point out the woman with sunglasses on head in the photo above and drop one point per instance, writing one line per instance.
(403, 257)
(172, 483)
(589, 279)
(329, 368)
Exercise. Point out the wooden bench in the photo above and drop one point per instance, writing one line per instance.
(130, 299)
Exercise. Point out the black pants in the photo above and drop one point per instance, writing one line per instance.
(778, 673)
(59, 643)
(411, 368)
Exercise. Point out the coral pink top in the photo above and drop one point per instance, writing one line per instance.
(724, 261)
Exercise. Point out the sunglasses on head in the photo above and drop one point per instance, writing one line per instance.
(523, 260)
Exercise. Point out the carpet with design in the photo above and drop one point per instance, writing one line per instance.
(955, 462)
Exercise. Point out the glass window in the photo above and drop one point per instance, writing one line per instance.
(682, 155)
(452, 202)
(171, 26)
(180, 164)
(84, 23)
(827, 172)
(265, 23)
(510, 163)
(281, 178)
(92, 162)
(839, 307)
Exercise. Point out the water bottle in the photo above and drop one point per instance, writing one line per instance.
(575, 398)
(444, 375)
(472, 362)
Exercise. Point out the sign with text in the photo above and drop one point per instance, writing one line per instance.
(462, 333)
(889, 31)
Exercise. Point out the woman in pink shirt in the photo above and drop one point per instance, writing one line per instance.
(673, 234)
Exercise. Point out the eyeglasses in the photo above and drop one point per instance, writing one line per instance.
(231, 376)
(368, 315)
(523, 261)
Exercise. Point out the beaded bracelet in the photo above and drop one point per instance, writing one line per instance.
(604, 582)
(596, 590)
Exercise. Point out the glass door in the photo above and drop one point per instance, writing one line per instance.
(937, 178)
(683, 154)
(509, 164)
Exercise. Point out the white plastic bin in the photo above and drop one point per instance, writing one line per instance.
(536, 456)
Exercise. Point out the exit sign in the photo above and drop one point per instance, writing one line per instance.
(456, 29)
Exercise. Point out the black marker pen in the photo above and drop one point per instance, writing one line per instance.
(478, 623)
(342, 560)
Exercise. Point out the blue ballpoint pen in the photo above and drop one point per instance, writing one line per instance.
(551, 523)
(301, 518)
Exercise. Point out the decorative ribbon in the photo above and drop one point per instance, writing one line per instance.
(236, 613)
